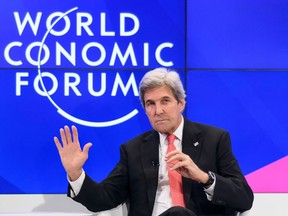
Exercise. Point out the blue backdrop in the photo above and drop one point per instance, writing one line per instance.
(81, 62)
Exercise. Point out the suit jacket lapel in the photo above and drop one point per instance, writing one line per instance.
(192, 142)
(150, 163)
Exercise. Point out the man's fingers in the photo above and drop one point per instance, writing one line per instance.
(70, 138)
(58, 145)
(176, 165)
(63, 137)
(172, 153)
(68, 134)
(178, 161)
(175, 157)
(75, 134)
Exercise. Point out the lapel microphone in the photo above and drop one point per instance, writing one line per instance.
(155, 163)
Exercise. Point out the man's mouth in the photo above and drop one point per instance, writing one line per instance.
(160, 120)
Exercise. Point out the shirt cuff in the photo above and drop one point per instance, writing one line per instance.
(76, 185)
(210, 191)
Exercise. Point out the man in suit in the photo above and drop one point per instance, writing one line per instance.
(210, 183)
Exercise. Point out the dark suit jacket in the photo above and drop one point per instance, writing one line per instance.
(135, 178)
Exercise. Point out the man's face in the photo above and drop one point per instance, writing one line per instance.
(163, 110)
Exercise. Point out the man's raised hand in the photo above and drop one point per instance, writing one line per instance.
(71, 154)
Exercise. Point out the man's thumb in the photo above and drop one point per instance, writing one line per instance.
(87, 147)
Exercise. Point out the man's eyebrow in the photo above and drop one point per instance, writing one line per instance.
(164, 97)
(149, 100)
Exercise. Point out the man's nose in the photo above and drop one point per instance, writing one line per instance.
(159, 109)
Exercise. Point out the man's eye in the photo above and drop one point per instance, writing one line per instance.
(165, 101)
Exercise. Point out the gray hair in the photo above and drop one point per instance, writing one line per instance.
(162, 77)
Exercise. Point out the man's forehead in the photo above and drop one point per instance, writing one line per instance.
(158, 98)
(158, 93)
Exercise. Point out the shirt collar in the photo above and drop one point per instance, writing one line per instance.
(178, 132)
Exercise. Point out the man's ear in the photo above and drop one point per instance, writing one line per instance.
(182, 104)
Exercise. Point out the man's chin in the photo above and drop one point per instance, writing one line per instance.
(162, 129)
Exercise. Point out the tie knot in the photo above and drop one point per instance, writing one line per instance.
(171, 138)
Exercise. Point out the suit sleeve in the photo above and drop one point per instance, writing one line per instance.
(109, 193)
(231, 187)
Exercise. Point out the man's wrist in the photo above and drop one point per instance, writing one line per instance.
(73, 176)
(210, 180)
(204, 178)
